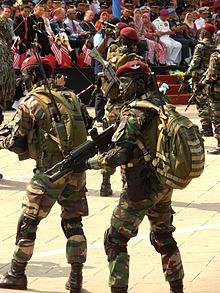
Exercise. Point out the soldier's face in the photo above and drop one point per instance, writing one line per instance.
(126, 87)
(6, 13)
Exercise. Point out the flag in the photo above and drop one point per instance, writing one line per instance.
(57, 52)
(66, 59)
(116, 8)
(16, 56)
(87, 59)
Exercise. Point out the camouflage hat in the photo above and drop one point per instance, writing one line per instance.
(133, 67)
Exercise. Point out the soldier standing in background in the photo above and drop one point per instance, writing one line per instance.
(39, 134)
(197, 68)
(142, 193)
(212, 82)
(119, 52)
(7, 75)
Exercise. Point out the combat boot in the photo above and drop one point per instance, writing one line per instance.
(106, 186)
(216, 150)
(176, 286)
(15, 278)
(119, 289)
(74, 284)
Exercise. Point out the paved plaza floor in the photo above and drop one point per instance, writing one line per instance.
(197, 220)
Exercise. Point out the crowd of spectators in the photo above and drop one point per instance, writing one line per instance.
(170, 29)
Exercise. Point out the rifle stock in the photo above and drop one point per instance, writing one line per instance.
(196, 91)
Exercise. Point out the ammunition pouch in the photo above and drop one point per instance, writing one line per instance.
(137, 176)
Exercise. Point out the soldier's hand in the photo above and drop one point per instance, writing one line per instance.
(200, 87)
(99, 162)
(186, 77)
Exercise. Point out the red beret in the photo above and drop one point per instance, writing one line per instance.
(121, 25)
(47, 63)
(209, 27)
(134, 66)
(129, 33)
(164, 12)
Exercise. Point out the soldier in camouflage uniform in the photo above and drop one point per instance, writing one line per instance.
(197, 68)
(7, 75)
(142, 194)
(212, 82)
(119, 52)
(34, 136)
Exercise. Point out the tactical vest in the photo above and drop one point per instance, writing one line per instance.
(117, 59)
(207, 49)
(45, 141)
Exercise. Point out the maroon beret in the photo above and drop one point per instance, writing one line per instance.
(134, 66)
(121, 25)
(47, 63)
(209, 27)
(129, 33)
(164, 12)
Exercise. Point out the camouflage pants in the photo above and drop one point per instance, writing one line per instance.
(125, 221)
(215, 116)
(203, 108)
(40, 197)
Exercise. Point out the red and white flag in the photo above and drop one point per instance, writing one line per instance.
(57, 52)
(66, 59)
(87, 58)
(16, 56)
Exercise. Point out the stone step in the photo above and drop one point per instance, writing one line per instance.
(181, 100)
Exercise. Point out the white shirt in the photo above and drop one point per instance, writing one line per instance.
(161, 26)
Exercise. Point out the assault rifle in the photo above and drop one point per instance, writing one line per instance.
(108, 71)
(181, 88)
(200, 86)
(80, 155)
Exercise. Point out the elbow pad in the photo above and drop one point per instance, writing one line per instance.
(120, 155)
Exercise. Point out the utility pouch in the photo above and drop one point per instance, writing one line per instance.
(137, 182)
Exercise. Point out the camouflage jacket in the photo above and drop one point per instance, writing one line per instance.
(7, 74)
(134, 123)
(213, 76)
(200, 60)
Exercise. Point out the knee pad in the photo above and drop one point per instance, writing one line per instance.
(164, 243)
(72, 227)
(26, 228)
(114, 243)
